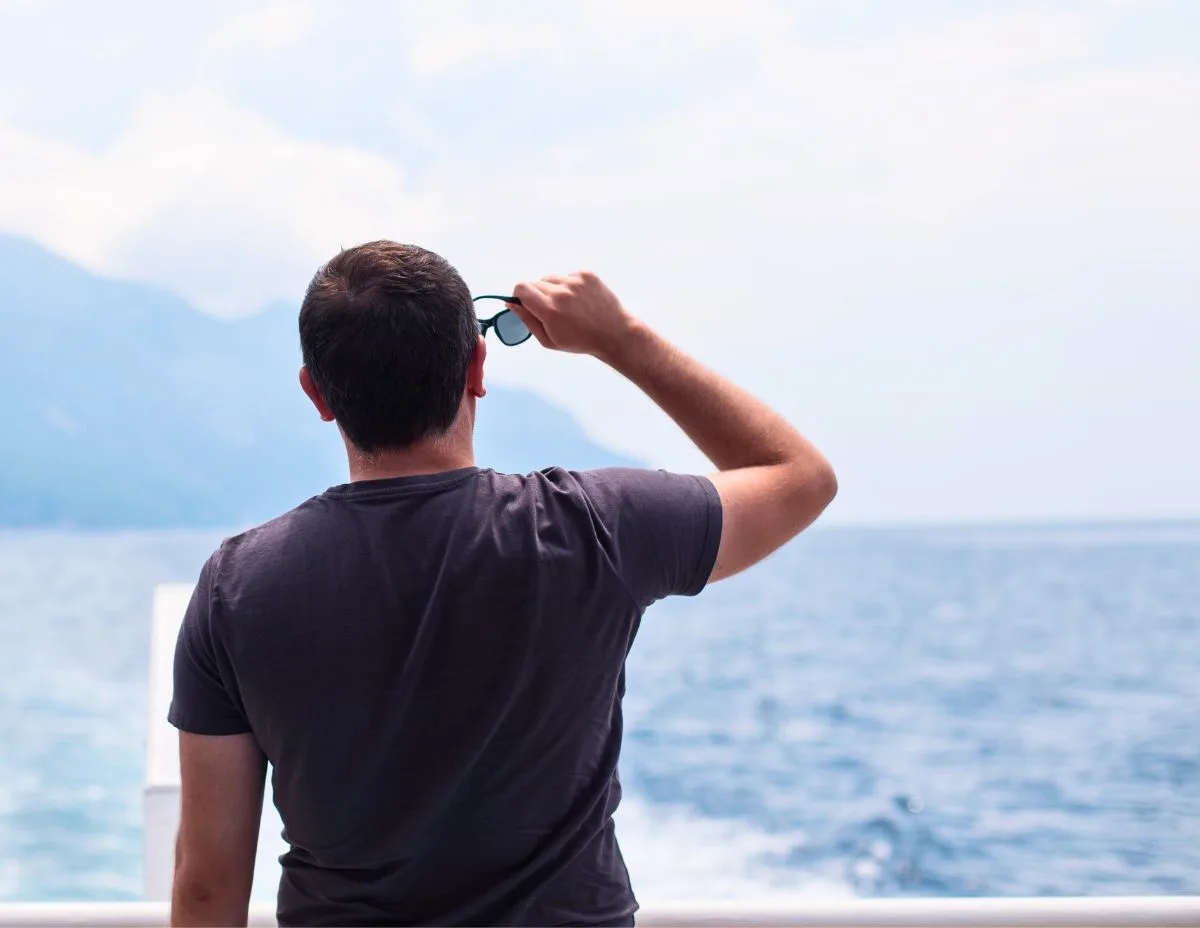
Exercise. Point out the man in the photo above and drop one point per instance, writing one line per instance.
(432, 656)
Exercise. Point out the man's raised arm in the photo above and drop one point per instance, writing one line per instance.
(772, 482)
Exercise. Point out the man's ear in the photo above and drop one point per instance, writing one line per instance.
(310, 390)
(475, 385)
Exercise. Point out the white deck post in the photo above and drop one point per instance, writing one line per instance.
(160, 796)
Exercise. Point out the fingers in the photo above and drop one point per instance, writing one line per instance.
(532, 301)
(529, 295)
(562, 310)
(539, 295)
(576, 279)
(553, 288)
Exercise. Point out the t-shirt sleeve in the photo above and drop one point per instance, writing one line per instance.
(662, 530)
(202, 702)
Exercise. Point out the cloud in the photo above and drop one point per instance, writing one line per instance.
(947, 242)
(265, 29)
(596, 38)
(930, 247)
(205, 197)
(465, 43)
(924, 130)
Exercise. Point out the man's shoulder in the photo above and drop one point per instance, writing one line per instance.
(265, 539)
(535, 482)
(594, 490)
(631, 486)
(588, 478)
(609, 497)
(591, 487)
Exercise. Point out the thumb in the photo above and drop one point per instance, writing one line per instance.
(531, 297)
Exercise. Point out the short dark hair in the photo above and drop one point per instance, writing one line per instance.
(387, 332)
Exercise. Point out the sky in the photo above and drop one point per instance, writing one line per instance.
(955, 242)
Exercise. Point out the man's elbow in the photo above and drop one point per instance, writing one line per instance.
(208, 898)
(827, 483)
(817, 486)
(191, 886)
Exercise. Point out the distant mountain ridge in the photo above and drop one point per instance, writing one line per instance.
(126, 407)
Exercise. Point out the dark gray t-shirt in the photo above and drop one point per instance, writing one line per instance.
(434, 667)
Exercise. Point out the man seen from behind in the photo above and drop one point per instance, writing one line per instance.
(432, 655)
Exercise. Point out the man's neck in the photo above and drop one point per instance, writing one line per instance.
(433, 457)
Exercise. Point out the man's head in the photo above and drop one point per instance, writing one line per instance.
(389, 336)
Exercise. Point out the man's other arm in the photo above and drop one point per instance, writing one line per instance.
(222, 779)
(772, 482)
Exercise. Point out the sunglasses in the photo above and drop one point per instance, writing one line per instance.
(508, 325)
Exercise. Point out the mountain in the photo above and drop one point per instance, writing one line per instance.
(123, 406)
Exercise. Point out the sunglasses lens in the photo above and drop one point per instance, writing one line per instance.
(510, 329)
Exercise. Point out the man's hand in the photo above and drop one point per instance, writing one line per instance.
(575, 313)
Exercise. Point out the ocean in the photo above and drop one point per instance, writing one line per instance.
(949, 712)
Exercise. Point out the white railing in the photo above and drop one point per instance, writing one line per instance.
(1100, 912)
(160, 796)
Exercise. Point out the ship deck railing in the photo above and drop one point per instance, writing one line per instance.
(1039, 912)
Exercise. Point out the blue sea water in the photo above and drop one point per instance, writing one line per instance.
(1001, 711)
